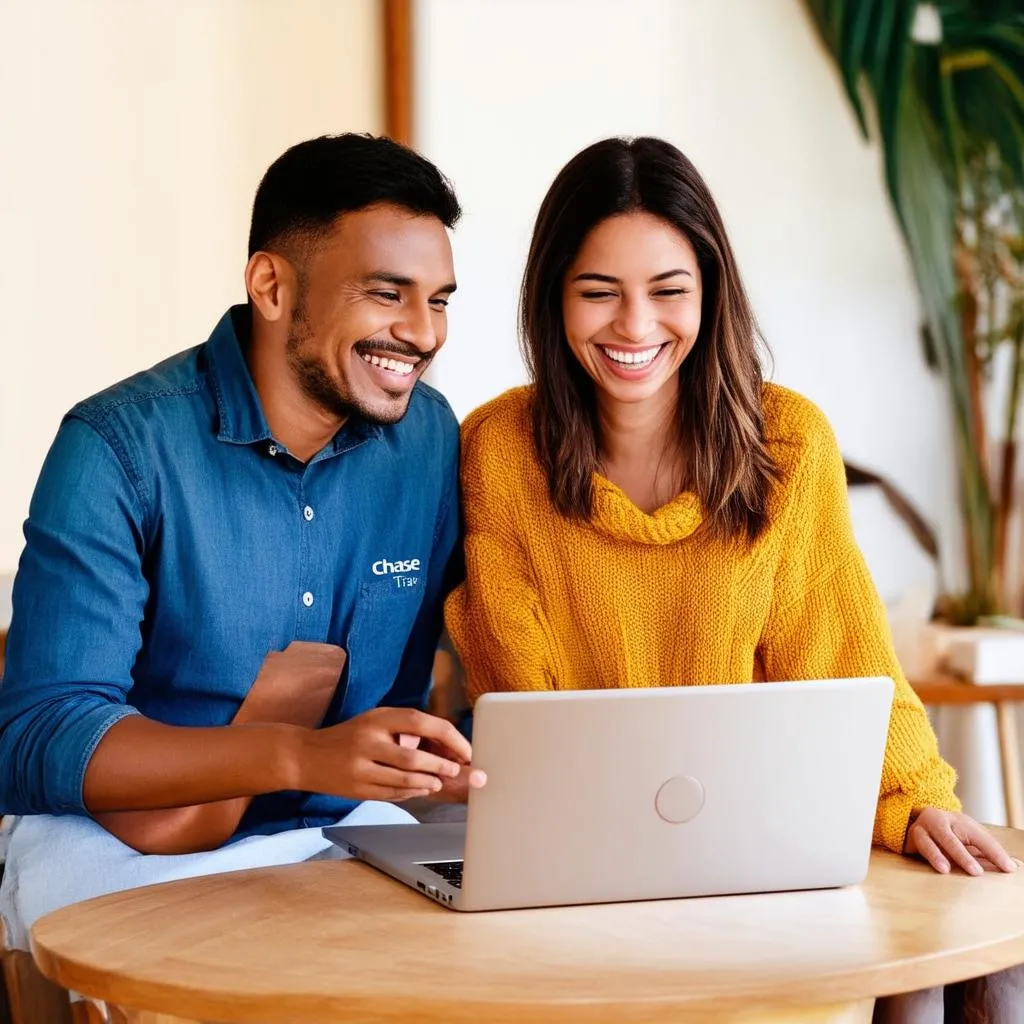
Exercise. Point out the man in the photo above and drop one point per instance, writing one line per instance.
(231, 592)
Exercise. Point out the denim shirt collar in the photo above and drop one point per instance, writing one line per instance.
(239, 410)
(240, 414)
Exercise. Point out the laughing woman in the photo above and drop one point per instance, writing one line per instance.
(651, 511)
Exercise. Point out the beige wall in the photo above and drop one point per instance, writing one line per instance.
(133, 134)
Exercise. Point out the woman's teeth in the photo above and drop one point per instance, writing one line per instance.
(394, 365)
(641, 358)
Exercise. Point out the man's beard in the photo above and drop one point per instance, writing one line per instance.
(318, 385)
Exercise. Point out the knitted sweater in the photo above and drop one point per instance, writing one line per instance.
(548, 603)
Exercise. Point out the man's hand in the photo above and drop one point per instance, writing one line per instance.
(944, 838)
(365, 758)
(452, 791)
(456, 791)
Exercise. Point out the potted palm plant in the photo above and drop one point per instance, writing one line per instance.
(941, 86)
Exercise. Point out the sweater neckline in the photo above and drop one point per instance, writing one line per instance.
(617, 516)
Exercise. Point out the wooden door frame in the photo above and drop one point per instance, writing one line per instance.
(398, 70)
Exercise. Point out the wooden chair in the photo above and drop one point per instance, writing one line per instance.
(31, 998)
(945, 691)
(26, 997)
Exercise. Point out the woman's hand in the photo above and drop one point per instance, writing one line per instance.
(944, 838)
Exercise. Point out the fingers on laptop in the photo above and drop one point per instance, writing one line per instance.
(410, 722)
(410, 754)
(402, 785)
(415, 760)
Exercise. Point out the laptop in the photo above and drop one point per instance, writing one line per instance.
(599, 796)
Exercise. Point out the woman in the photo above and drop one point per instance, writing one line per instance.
(650, 511)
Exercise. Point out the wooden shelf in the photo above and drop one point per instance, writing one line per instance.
(950, 690)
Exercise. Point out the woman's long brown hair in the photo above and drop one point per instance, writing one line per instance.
(720, 415)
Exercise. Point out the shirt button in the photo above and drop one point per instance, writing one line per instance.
(307, 599)
(272, 449)
(308, 513)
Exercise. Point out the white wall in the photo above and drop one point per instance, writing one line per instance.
(133, 134)
(510, 89)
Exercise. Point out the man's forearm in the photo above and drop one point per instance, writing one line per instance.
(293, 688)
(145, 765)
(174, 830)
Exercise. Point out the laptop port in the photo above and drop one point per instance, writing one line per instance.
(420, 885)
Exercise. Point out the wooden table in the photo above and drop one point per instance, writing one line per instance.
(336, 941)
(943, 691)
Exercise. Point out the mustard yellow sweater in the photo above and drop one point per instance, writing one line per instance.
(649, 599)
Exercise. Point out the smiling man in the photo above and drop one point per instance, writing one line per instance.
(230, 596)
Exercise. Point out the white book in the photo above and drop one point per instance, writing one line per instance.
(984, 656)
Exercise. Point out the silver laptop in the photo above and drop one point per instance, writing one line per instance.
(598, 796)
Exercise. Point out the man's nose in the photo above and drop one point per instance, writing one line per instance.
(416, 327)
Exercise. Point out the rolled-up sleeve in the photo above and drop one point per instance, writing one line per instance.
(79, 598)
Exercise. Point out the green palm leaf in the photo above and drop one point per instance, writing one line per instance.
(950, 122)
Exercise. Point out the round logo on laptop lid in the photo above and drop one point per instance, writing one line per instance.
(679, 800)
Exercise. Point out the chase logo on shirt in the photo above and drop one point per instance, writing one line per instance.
(385, 568)
(400, 569)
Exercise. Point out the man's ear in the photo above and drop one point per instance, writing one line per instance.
(270, 282)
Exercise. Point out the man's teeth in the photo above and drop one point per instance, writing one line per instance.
(632, 358)
(394, 365)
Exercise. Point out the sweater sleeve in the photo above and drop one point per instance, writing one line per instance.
(494, 617)
(828, 621)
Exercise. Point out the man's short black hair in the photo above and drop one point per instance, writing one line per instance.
(310, 185)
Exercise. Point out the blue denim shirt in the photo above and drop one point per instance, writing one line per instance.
(172, 543)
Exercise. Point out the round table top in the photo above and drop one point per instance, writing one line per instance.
(337, 940)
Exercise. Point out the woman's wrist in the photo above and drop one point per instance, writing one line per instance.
(914, 814)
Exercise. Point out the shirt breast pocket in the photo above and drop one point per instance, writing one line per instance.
(382, 622)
